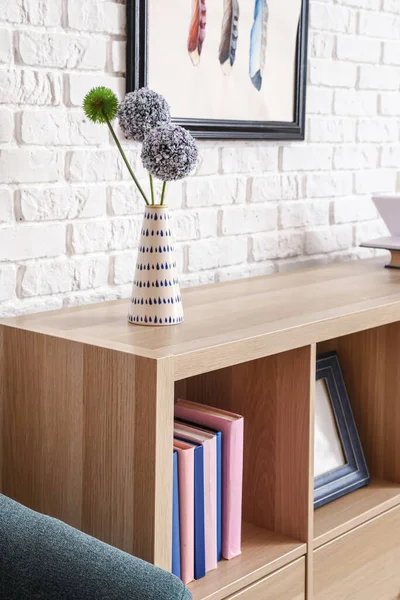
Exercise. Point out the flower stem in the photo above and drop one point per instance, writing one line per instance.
(116, 140)
(151, 188)
(164, 185)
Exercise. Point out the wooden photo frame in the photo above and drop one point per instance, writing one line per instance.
(213, 99)
(339, 462)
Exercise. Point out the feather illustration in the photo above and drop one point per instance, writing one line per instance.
(229, 35)
(258, 42)
(197, 30)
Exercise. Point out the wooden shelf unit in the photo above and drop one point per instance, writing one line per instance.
(86, 409)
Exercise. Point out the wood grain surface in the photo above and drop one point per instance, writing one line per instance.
(285, 584)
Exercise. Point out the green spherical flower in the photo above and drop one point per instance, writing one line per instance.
(100, 105)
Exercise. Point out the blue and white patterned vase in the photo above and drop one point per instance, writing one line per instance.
(156, 296)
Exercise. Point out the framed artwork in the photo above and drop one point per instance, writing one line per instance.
(229, 68)
(339, 463)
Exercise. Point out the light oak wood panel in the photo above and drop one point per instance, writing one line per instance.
(310, 532)
(344, 514)
(263, 552)
(273, 395)
(363, 564)
(370, 365)
(86, 438)
(285, 584)
(234, 322)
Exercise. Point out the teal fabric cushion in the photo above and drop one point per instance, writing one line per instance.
(42, 558)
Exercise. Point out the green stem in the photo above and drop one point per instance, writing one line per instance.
(164, 185)
(151, 188)
(116, 140)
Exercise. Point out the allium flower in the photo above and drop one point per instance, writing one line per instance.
(169, 152)
(142, 111)
(100, 105)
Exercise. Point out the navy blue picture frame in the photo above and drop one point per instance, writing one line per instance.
(354, 474)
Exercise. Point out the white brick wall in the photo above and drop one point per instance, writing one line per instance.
(70, 217)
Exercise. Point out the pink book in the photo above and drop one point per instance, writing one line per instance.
(232, 428)
(209, 442)
(186, 508)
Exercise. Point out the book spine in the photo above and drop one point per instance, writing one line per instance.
(199, 536)
(176, 541)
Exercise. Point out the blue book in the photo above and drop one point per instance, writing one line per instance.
(218, 435)
(199, 523)
(176, 538)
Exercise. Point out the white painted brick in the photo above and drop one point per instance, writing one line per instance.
(299, 158)
(30, 87)
(61, 50)
(32, 241)
(86, 15)
(301, 262)
(24, 307)
(319, 101)
(276, 187)
(391, 157)
(56, 203)
(6, 51)
(379, 78)
(215, 191)
(329, 239)
(378, 130)
(98, 295)
(18, 165)
(118, 57)
(370, 230)
(81, 83)
(125, 233)
(358, 49)
(125, 199)
(353, 209)
(332, 18)
(389, 104)
(244, 271)
(200, 278)
(332, 130)
(208, 161)
(304, 214)
(56, 127)
(283, 244)
(6, 125)
(329, 185)
(31, 12)
(355, 157)
(249, 219)
(391, 6)
(191, 225)
(379, 180)
(208, 254)
(90, 236)
(321, 44)
(62, 275)
(355, 103)
(96, 165)
(336, 74)
(8, 277)
(6, 206)
(391, 53)
(124, 267)
(371, 4)
(380, 25)
(249, 159)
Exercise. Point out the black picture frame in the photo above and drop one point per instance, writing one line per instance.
(353, 475)
(136, 77)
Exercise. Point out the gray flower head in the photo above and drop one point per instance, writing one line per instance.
(141, 111)
(169, 152)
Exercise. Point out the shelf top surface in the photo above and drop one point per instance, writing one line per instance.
(237, 321)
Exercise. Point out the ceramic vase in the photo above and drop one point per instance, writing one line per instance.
(156, 296)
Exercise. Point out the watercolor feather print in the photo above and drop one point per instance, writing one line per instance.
(229, 35)
(258, 42)
(197, 30)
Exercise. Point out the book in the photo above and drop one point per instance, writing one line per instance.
(218, 437)
(387, 243)
(176, 539)
(232, 427)
(208, 440)
(186, 508)
(198, 493)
